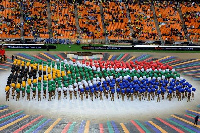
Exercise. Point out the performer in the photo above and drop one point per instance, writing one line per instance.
(158, 95)
(106, 92)
(70, 92)
(75, 91)
(28, 94)
(59, 92)
(13, 90)
(23, 88)
(193, 90)
(18, 94)
(179, 95)
(44, 91)
(149, 96)
(23, 92)
(112, 94)
(128, 92)
(122, 93)
(189, 95)
(65, 91)
(131, 91)
(39, 93)
(50, 92)
(7, 90)
(170, 95)
(81, 92)
(34, 92)
(153, 91)
(118, 92)
(53, 91)
(162, 94)
(91, 94)
(101, 91)
(96, 92)
(87, 89)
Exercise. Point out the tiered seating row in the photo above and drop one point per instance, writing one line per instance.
(116, 20)
(142, 21)
(191, 17)
(169, 21)
(90, 20)
(9, 19)
(35, 19)
(63, 19)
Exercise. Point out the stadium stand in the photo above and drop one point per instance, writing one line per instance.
(9, 19)
(169, 21)
(90, 20)
(116, 20)
(142, 21)
(63, 19)
(191, 16)
(121, 21)
(35, 19)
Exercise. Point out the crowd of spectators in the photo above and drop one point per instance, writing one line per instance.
(35, 18)
(90, 20)
(169, 21)
(191, 16)
(116, 20)
(9, 19)
(63, 19)
(142, 21)
(118, 26)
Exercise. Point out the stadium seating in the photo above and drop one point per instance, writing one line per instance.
(90, 20)
(116, 20)
(121, 20)
(169, 21)
(63, 20)
(35, 19)
(9, 19)
(191, 17)
(142, 21)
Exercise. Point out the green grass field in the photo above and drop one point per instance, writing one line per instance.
(77, 48)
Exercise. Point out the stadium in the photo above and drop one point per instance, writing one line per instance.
(116, 66)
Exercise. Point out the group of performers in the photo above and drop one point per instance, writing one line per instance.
(81, 80)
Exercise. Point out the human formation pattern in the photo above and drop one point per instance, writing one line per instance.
(89, 79)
